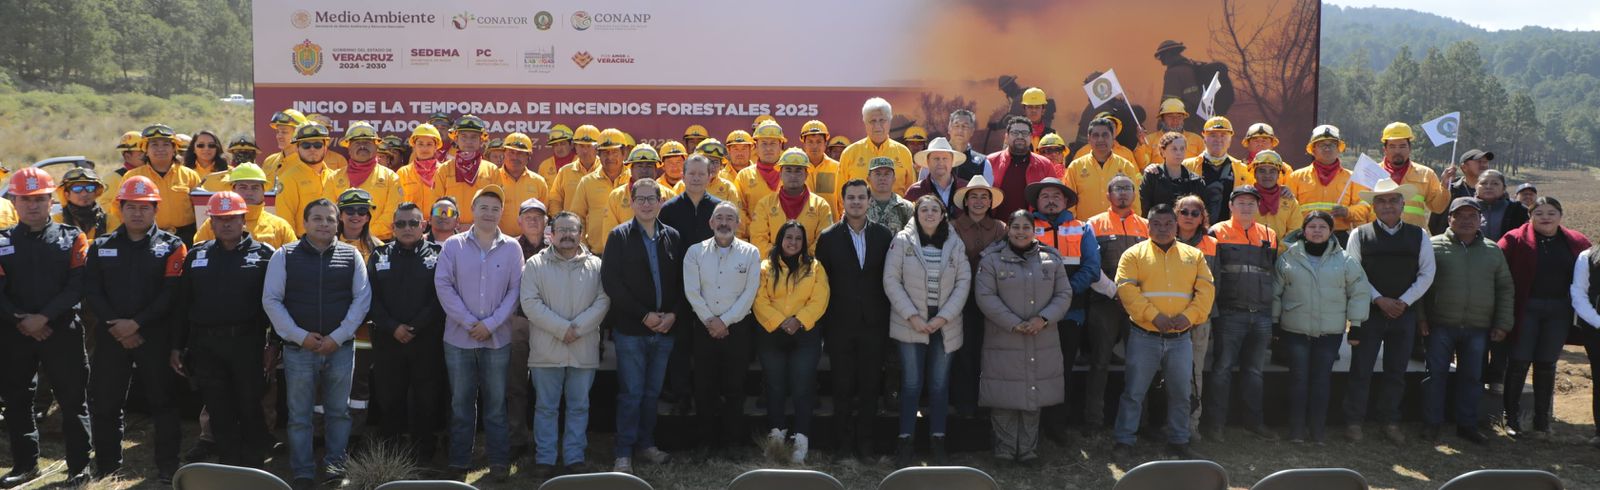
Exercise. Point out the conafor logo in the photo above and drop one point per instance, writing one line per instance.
(307, 58)
(582, 58)
(461, 20)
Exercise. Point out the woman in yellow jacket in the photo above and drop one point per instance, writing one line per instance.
(793, 296)
(1280, 211)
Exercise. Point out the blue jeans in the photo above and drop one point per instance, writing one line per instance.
(641, 369)
(1394, 337)
(789, 366)
(920, 361)
(475, 373)
(550, 387)
(1466, 346)
(1310, 379)
(1146, 354)
(303, 372)
(1241, 340)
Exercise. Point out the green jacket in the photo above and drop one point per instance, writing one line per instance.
(1472, 287)
(1317, 300)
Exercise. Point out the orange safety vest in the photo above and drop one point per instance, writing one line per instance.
(1067, 239)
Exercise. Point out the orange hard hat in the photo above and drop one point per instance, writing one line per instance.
(31, 181)
(226, 203)
(138, 188)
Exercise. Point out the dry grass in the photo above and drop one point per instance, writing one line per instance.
(41, 125)
(377, 464)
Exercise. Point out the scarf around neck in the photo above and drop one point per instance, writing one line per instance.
(466, 167)
(1270, 198)
(426, 169)
(1398, 175)
(793, 205)
(768, 173)
(1326, 172)
(359, 171)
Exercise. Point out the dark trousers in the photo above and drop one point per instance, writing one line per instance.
(719, 383)
(112, 370)
(1056, 417)
(228, 370)
(855, 357)
(1543, 332)
(1310, 379)
(1394, 336)
(60, 356)
(1465, 346)
(1108, 323)
(410, 381)
(681, 377)
(790, 365)
(1591, 346)
(968, 361)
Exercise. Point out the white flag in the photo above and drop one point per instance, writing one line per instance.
(1443, 130)
(1103, 88)
(1368, 172)
(1208, 99)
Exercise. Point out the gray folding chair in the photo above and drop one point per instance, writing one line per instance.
(785, 480)
(209, 476)
(1313, 479)
(1504, 479)
(596, 481)
(1162, 475)
(940, 477)
(426, 485)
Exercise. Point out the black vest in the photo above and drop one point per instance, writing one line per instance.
(317, 284)
(1390, 260)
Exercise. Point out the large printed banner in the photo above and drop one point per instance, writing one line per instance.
(654, 68)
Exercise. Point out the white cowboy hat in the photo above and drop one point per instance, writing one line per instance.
(978, 182)
(1387, 186)
(939, 144)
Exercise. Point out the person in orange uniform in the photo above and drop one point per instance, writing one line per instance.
(302, 181)
(792, 201)
(1325, 184)
(560, 143)
(741, 153)
(1116, 230)
(836, 147)
(564, 187)
(761, 179)
(250, 182)
(363, 172)
(720, 187)
(417, 176)
(876, 114)
(672, 156)
(1279, 209)
(591, 197)
(465, 173)
(643, 163)
(694, 134)
(1219, 171)
(1170, 120)
(825, 178)
(518, 182)
(1247, 252)
(1089, 174)
(171, 178)
(1432, 195)
(1116, 147)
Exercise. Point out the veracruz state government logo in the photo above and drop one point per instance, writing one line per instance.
(307, 58)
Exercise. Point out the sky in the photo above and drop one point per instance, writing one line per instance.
(1494, 15)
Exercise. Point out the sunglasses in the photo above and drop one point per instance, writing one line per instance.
(83, 188)
(446, 212)
(244, 155)
(357, 211)
(311, 146)
(206, 145)
(407, 223)
(1191, 213)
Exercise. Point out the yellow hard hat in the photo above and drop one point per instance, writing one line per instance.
(129, 141)
(673, 149)
(1396, 131)
(1261, 130)
(770, 130)
(794, 157)
(1173, 105)
(359, 130)
(586, 135)
(518, 142)
(1034, 96)
(712, 148)
(559, 133)
(1218, 123)
(287, 117)
(627, 139)
(696, 131)
(1324, 132)
(1116, 122)
(915, 133)
(1267, 158)
(838, 141)
(762, 119)
(612, 138)
(644, 154)
(739, 137)
(424, 130)
(246, 172)
(1052, 140)
(814, 127)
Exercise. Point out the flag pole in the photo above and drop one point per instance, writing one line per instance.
(1132, 114)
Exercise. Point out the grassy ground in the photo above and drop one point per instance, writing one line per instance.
(40, 125)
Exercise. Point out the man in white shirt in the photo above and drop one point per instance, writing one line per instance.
(720, 279)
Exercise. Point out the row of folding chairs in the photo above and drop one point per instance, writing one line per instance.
(1155, 475)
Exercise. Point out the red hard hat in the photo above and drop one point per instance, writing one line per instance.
(225, 203)
(31, 181)
(138, 188)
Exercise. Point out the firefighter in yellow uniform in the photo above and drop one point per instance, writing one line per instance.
(284, 125)
(1325, 184)
(1116, 147)
(173, 181)
(741, 153)
(131, 147)
(824, 179)
(810, 210)
(589, 200)
(1260, 137)
(1170, 120)
(417, 176)
(1089, 174)
(250, 182)
(300, 182)
(720, 187)
(517, 181)
(363, 172)
(916, 140)
(465, 173)
(672, 156)
(643, 163)
(761, 179)
(1054, 147)
(1433, 194)
(586, 159)
(875, 117)
(836, 147)
(694, 134)
(1034, 105)
(560, 143)
(1279, 210)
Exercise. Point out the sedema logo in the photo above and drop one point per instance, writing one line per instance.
(307, 58)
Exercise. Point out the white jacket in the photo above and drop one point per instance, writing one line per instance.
(724, 288)
(558, 294)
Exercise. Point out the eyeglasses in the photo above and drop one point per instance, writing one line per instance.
(311, 146)
(80, 188)
(646, 199)
(206, 145)
(1192, 213)
(356, 211)
(446, 212)
(407, 223)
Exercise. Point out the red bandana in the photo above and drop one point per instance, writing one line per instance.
(1398, 175)
(793, 205)
(768, 173)
(1326, 172)
(426, 169)
(467, 167)
(1270, 199)
(359, 171)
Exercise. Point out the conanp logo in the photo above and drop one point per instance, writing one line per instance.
(581, 20)
(307, 58)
